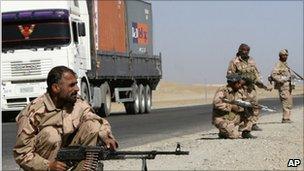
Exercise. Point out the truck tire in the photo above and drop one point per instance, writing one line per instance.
(85, 91)
(105, 108)
(142, 105)
(148, 99)
(133, 107)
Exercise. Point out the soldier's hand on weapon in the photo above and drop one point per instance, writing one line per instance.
(270, 79)
(255, 106)
(57, 166)
(285, 79)
(110, 143)
(235, 108)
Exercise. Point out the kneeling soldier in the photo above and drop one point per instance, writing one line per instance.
(227, 117)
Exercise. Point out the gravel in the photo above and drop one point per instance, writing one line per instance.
(273, 148)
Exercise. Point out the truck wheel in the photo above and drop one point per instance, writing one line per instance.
(133, 107)
(85, 91)
(142, 105)
(105, 108)
(148, 99)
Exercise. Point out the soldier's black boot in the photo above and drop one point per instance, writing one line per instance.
(256, 128)
(222, 136)
(286, 121)
(246, 134)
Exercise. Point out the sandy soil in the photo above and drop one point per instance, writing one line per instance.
(169, 94)
(273, 148)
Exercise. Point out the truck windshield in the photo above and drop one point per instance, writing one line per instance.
(35, 29)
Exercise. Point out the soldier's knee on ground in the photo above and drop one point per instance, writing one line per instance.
(232, 131)
(231, 135)
(234, 135)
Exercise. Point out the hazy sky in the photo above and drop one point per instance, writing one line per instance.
(198, 38)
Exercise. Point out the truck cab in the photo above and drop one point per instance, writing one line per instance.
(36, 36)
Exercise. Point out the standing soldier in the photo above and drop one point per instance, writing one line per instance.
(227, 117)
(57, 119)
(281, 76)
(244, 65)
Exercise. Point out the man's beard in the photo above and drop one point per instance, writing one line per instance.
(244, 56)
(283, 59)
(69, 101)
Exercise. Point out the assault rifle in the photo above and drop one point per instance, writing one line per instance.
(246, 104)
(92, 155)
(298, 75)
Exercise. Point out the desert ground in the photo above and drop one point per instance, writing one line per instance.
(170, 94)
(272, 150)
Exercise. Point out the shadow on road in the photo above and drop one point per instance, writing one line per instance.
(208, 136)
(266, 123)
(214, 138)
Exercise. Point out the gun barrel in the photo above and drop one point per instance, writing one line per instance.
(121, 155)
(150, 152)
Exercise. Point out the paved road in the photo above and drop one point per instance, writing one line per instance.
(133, 130)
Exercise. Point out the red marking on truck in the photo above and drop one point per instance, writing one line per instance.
(26, 30)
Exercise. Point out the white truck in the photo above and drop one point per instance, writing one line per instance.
(107, 43)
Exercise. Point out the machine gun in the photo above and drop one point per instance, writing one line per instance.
(246, 104)
(92, 155)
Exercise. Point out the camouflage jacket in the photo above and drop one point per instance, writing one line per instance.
(281, 76)
(221, 108)
(41, 113)
(248, 69)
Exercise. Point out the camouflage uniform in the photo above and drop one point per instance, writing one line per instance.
(224, 118)
(43, 129)
(248, 69)
(281, 76)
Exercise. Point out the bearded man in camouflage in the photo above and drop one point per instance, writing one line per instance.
(281, 75)
(244, 65)
(57, 119)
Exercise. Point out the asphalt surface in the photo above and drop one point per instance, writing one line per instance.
(133, 130)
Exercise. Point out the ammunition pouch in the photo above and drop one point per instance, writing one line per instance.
(231, 116)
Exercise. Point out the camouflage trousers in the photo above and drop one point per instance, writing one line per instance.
(49, 139)
(229, 125)
(254, 114)
(286, 100)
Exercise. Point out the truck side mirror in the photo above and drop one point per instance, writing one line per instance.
(81, 29)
